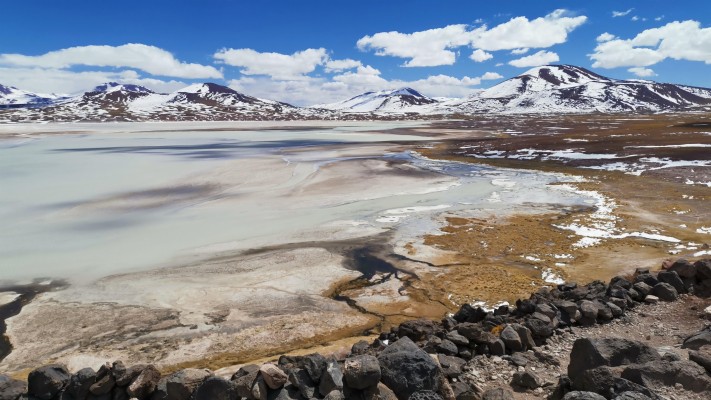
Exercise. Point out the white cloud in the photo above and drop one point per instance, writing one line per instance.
(341, 65)
(491, 76)
(275, 65)
(480, 55)
(150, 59)
(659, 18)
(435, 47)
(53, 80)
(642, 72)
(541, 58)
(605, 37)
(685, 40)
(424, 49)
(616, 14)
(520, 51)
(519, 32)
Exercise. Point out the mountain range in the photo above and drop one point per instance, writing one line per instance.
(545, 89)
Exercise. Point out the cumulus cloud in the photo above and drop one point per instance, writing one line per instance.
(642, 72)
(616, 14)
(685, 40)
(53, 80)
(605, 37)
(435, 47)
(520, 51)
(541, 58)
(521, 32)
(150, 59)
(276, 65)
(480, 55)
(341, 65)
(427, 48)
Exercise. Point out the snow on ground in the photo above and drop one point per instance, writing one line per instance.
(551, 277)
(704, 229)
(651, 164)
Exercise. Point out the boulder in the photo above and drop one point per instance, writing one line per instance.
(105, 381)
(672, 278)
(124, 376)
(695, 341)
(702, 356)
(475, 333)
(526, 380)
(497, 348)
(467, 313)
(578, 395)
(689, 375)
(703, 269)
(80, 383)
(499, 393)
(331, 379)
(314, 364)
(360, 348)
(287, 392)
(620, 281)
(451, 366)
(273, 376)
(651, 299)
(447, 347)
(632, 396)
(642, 288)
(303, 382)
(361, 372)
(180, 385)
(456, 338)
(539, 329)
(589, 353)
(425, 395)
(215, 388)
(245, 378)
(45, 382)
(646, 278)
(511, 339)
(144, 384)
(589, 311)
(406, 369)
(665, 291)
(684, 268)
(11, 389)
(463, 391)
(526, 337)
(606, 381)
(417, 329)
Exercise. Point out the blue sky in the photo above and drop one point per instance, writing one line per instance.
(320, 51)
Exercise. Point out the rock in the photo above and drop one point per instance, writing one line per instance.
(180, 385)
(379, 392)
(702, 357)
(519, 360)
(511, 339)
(447, 347)
(451, 366)
(467, 313)
(425, 395)
(360, 348)
(105, 381)
(684, 268)
(590, 353)
(672, 278)
(260, 390)
(614, 309)
(80, 383)
(161, 392)
(498, 394)
(417, 329)
(526, 379)
(335, 395)
(497, 348)
(603, 312)
(588, 309)
(703, 269)
(526, 337)
(302, 380)
(273, 376)
(632, 396)
(287, 392)
(547, 310)
(361, 372)
(642, 288)
(578, 395)
(315, 364)
(620, 281)
(47, 381)
(332, 379)
(665, 291)
(215, 388)
(124, 376)
(605, 380)
(144, 384)
(695, 341)
(689, 375)
(11, 389)
(245, 378)
(646, 278)
(456, 338)
(651, 299)
(406, 369)
(475, 333)
(463, 391)
(539, 329)
(118, 393)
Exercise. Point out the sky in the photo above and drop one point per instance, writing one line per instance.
(309, 52)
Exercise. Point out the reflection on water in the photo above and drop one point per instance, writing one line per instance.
(85, 206)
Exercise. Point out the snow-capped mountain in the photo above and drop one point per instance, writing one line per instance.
(13, 97)
(385, 101)
(571, 89)
(120, 102)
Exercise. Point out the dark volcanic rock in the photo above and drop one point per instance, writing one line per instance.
(475, 333)
(315, 364)
(331, 379)
(451, 366)
(665, 291)
(467, 313)
(425, 395)
(672, 278)
(215, 388)
(702, 357)
(11, 389)
(245, 378)
(578, 395)
(526, 379)
(361, 372)
(45, 382)
(689, 375)
(684, 268)
(80, 383)
(417, 330)
(273, 376)
(407, 369)
(181, 384)
(590, 353)
(144, 384)
(302, 380)
(511, 339)
(287, 392)
(499, 393)
(695, 341)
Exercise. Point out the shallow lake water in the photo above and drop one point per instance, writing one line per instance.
(125, 197)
